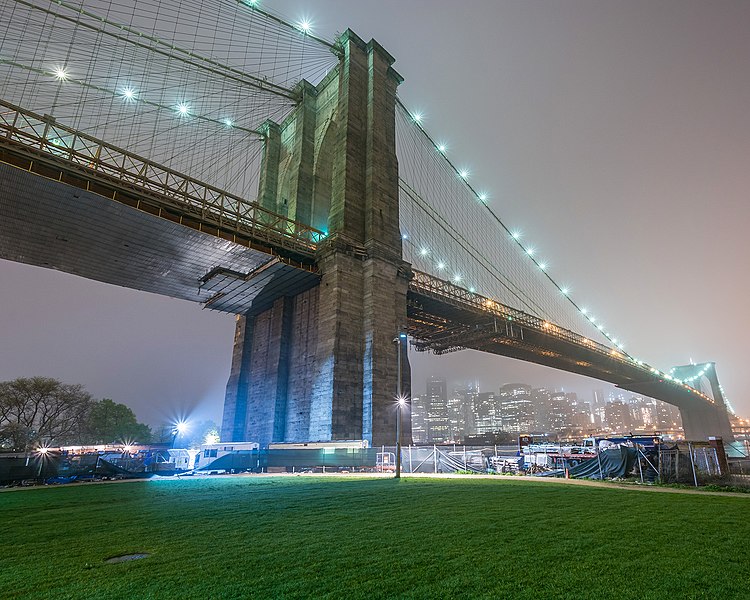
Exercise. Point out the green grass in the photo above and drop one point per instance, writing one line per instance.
(315, 537)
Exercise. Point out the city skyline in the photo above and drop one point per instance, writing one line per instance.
(469, 414)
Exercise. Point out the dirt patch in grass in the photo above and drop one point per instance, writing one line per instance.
(125, 558)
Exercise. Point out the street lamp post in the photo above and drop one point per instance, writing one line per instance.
(180, 428)
(400, 400)
(42, 455)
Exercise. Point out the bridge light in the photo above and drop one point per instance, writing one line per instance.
(424, 252)
(128, 93)
(600, 327)
(60, 73)
(404, 236)
(530, 251)
(183, 109)
(456, 278)
(542, 266)
(441, 265)
(565, 291)
(228, 123)
(483, 196)
(584, 311)
(305, 26)
(515, 235)
(417, 117)
(442, 148)
(463, 174)
(472, 290)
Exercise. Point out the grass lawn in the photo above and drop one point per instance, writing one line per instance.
(338, 537)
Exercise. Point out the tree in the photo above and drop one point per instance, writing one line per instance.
(41, 410)
(110, 422)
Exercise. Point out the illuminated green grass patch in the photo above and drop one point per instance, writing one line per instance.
(314, 537)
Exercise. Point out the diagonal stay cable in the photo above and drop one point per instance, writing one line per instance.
(189, 57)
(105, 90)
(502, 279)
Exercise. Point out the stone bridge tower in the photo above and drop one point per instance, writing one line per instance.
(321, 364)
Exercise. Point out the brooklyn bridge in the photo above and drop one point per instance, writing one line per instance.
(284, 181)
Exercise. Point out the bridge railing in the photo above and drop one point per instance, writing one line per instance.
(432, 285)
(41, 133)
(451, 291)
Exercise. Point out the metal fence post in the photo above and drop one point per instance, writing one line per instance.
(692, 463)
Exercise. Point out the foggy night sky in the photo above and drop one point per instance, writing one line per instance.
(615, 135)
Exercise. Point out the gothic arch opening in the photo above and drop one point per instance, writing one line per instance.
(323, 186)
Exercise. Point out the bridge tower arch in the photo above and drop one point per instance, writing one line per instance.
(702, 420)
(320, 364)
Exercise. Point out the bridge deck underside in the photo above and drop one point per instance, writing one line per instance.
(443, 326)
(51, 224)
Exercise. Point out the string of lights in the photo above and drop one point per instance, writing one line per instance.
(184, 84)
(432, 184)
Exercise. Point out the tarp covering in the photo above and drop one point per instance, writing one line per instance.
(613, 462)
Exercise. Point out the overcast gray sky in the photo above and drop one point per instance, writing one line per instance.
(615, 134)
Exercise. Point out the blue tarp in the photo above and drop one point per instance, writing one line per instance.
(611, 463)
